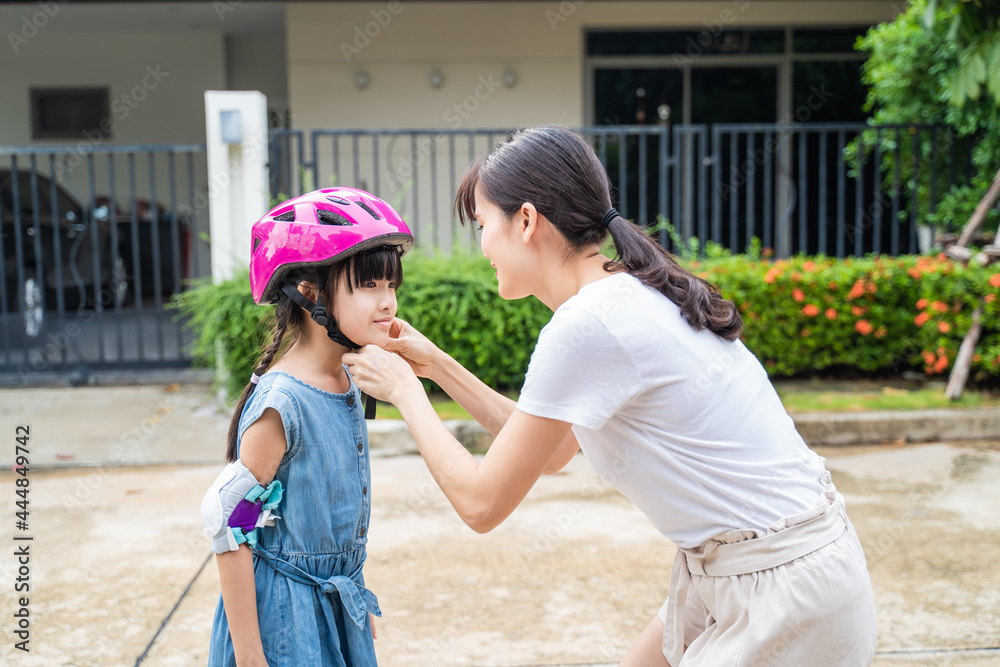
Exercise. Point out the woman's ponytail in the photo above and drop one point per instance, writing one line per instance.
(699, 301)
(556, 170)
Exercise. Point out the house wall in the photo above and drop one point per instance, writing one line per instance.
(144, 108)
(473, 43)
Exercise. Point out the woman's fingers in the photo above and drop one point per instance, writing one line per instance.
(377, 372)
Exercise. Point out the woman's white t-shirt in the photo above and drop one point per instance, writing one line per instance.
(684, 423)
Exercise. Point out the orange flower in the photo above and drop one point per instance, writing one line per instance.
(881, 332)
(832, 285)
(941, 365)
(920, 319)
(808, 265)
(772, 273)
(928, 357)
(857, 290)
(995, 280)
(796, 276)
(811, 310)
(976, 358)
(922, 304)
(990, 298)
(863, 327)
(871, 287)
(798, 295)
(831, 314)
(914, 272)
(858, 311)
(940, 306)
(944, 327)
(805, 333)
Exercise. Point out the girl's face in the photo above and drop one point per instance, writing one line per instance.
(502, 245)
(365, 314)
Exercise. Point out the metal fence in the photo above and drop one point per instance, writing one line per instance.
(788, 185)
(95, 239)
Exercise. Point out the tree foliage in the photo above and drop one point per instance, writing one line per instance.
(929, 67)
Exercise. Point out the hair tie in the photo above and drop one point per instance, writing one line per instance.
(254, 378)
(608, 217)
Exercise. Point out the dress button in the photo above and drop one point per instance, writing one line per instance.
(350, 400)
(361, 446)
(364, 490)
(363, 531)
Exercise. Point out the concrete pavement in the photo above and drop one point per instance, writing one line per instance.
(570, 578)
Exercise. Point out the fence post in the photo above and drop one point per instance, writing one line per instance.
(238, 190)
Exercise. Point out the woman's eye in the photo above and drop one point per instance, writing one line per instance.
(392, 285)
(370, 284)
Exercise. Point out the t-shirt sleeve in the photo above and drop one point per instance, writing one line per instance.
(579, 372)
(285, 405)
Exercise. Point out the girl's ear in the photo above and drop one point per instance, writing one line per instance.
(309, 291)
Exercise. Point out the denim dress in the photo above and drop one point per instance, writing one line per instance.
(312, 604)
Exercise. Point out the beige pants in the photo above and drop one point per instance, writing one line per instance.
(798, 595)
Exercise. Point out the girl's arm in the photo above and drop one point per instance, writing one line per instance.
(261, 449)
(484, 493)
(488, 407)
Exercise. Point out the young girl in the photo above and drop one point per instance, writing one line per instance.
(642, 367)
(292, 588)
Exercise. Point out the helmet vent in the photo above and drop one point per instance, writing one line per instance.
(338, 200)
(256, 242)
(369, 210)
(286, 217)
(331, 218)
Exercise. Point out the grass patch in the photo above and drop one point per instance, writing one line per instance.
(884, 398)
(443, 406)
(862, 397)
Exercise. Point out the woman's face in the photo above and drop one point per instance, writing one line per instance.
(365, 314)
(502, 245)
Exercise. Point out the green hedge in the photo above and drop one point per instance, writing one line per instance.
(802, 316)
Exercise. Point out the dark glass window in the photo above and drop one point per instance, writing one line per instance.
(69, 113)
(828, 92)
(690, 43)
(837, 40)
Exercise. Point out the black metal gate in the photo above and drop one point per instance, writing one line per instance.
(788, 185)
(94, 241)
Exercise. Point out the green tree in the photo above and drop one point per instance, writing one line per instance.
(929, 66)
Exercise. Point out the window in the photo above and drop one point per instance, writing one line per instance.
(70, 113)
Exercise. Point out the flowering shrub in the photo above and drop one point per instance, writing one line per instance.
(872, 315)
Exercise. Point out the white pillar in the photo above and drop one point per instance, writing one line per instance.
(238, 192)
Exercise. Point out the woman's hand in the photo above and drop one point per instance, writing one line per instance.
(412, 346)
(381, 374)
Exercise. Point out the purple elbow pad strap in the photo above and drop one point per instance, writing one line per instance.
(254, 511)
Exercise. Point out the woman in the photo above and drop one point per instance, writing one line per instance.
(642, 367)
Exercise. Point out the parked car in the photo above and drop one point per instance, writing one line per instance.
(81, 259)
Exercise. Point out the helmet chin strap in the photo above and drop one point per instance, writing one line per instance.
(319, 314)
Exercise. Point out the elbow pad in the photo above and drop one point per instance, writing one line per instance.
(236, 505)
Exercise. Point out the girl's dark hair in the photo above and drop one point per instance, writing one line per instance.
(382, 263)
(553, 168)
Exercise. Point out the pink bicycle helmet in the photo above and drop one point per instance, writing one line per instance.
(315, 230)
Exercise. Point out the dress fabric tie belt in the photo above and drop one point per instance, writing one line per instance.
(804, 534)
(355, 598)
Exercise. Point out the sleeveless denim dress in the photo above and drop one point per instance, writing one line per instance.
(311, 601)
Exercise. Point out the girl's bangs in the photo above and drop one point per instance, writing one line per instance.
(382, 263)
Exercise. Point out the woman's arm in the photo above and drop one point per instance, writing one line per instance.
(261, 448)
(488, 407)
(484, 493)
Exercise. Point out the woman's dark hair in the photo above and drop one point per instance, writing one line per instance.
(382, 263)
(553, 168)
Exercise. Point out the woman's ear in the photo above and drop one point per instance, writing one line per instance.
(527, 219)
